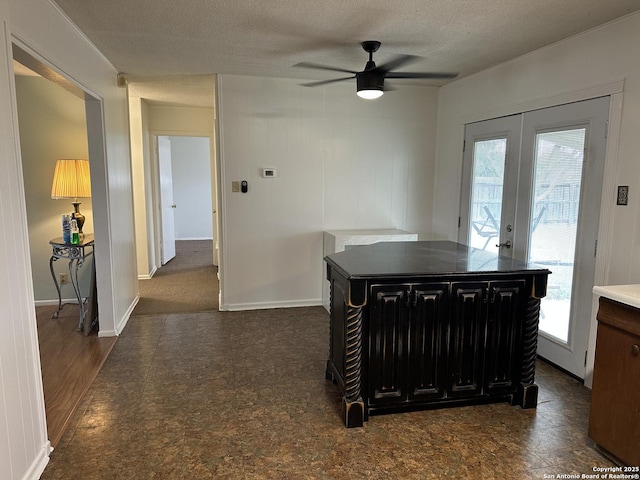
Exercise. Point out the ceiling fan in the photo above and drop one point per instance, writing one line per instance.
(370, 81)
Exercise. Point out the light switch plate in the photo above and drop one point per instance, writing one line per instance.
(235, 186)
(623, 195)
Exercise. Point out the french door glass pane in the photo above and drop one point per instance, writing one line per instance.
(558, 164)
(486, 193)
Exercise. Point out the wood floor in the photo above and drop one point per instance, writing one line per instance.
(70, 361)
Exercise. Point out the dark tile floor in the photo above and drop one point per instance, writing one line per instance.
(243, 395)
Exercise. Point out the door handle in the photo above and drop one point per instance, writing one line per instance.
(506, 244)
(173, 206)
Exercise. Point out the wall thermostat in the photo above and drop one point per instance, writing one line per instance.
(268, 172)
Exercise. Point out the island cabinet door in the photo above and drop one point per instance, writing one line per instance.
(427, 368)
(507, 309)
(388, 324)
(467, 338)
(407, 343)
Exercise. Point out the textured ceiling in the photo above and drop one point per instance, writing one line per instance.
(163, 42)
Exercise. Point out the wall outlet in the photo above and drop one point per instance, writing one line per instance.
(63, 278)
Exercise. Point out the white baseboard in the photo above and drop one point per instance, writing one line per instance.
(123, 321)
(195, 238)
(238, 307)
(39, 463)
(47, 303)
(149, 275)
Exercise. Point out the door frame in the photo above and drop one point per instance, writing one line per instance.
(155, 190)
(614, 89)
(96, 143)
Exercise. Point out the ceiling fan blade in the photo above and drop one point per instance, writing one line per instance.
(420, 75)
(397, 62)
(317, 66)
(325, 82)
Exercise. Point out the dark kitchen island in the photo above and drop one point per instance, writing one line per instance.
(419, 325)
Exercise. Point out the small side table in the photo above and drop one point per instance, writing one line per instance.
(76, 256)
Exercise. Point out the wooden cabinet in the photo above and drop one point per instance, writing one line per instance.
(467, 339)
(428, 324)
(407, 343)
(416, 354)
(614, 421)
(504, 336)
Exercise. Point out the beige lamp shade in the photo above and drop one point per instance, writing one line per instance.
(71, 179)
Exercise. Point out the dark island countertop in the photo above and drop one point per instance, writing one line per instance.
(392, 259)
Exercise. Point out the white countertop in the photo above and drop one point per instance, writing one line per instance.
(627, 294)
(384, 231)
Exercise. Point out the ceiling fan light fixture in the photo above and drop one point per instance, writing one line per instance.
(370, 94)
(370, 81)
(369, 85)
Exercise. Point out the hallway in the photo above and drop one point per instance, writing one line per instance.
(187, 283)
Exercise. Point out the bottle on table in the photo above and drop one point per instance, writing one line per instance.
(66, 228)
(75, 232)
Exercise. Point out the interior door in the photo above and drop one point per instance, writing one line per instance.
(548, 212)
(168, 247)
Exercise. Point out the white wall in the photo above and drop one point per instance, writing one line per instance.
(191, 173)
(52, 126)
(142, 178)
(342, 163)
(40, 28)
(584, 66)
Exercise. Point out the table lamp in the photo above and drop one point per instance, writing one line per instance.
(71, 180)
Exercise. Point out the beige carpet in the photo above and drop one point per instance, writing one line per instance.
(186, 284)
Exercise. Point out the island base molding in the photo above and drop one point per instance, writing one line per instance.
(354, 413)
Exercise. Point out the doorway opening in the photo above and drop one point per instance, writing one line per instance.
(186, 209)
(532, 188)
(55, 121)
(187, 280)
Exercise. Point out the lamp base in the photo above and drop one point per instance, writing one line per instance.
(77, 215)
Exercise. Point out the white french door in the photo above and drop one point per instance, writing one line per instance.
(531, 190)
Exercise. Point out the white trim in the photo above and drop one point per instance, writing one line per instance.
(238, 307)
(47, 303)
(606, 232)
(79, 32)
(155, 184)
(36, 469)
(32, 49)
(222, 204)
(25, 299)
(182, 133)
(97, 145)
(103, 333)
(195, 238)
(561, 98)
(122, 323)
(150, 275)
